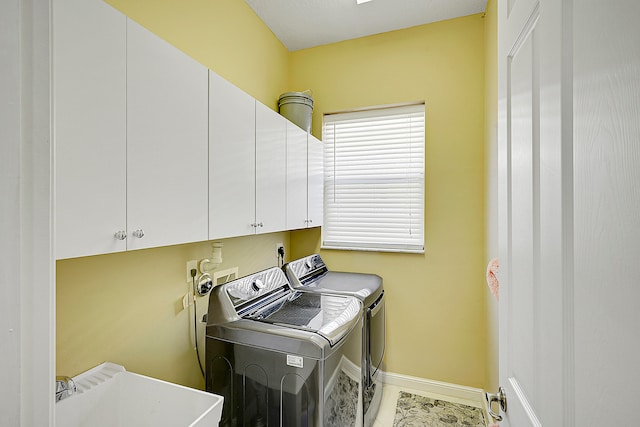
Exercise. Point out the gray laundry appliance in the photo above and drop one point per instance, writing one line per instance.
(282, 357)
(312, 275)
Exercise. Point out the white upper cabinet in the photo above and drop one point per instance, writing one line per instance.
(315, 182)
(89, 106)
(296, 177)
(271, 177)
(153, 149)
(231, 160)
(167, 168)
(130, 129)
(304, 179)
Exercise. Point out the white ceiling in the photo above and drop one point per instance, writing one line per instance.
(300, 24)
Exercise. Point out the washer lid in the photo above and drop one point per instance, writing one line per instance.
(265, 298)
(331, 316)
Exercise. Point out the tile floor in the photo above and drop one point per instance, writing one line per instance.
(387, 411)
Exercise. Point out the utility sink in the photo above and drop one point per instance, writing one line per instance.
(109, 396)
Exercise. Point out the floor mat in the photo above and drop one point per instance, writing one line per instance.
(419, 411)
(342, 404)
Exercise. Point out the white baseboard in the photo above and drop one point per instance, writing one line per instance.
(431, 386)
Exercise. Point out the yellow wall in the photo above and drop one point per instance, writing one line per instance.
(225, 35)
(435, 301)
(491, 182)
(122, 307)
(126, 308)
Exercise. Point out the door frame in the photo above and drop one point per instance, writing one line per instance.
(26, 248)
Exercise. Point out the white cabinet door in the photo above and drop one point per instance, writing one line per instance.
(231, 160)
(89, 107)
(167, 167)
(296, 177)
(315, 182)
(305, 179)
(271, 178)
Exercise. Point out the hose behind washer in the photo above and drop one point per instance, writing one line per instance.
(194, 272)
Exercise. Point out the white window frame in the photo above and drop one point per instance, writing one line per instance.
(374, 179)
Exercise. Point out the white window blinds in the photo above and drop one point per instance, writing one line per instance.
(374, 180)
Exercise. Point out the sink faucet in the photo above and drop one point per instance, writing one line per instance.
(65, 387)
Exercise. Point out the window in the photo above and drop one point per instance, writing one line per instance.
(374, 180)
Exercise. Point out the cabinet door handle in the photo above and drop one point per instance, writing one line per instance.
(120, 235)
(138, 233)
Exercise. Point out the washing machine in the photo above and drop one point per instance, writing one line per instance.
(312, 275)
(284, 357)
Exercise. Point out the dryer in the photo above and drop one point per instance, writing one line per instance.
(312, 275)
(282, 357)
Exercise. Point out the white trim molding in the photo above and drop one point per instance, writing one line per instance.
(27, 267)
(436, 387)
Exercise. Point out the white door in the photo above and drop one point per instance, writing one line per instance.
(167, 143)
(296, 177)
(569, 170)
(89, 110)
(315, 181)
(533, 214)
(271, 176)
(232, 164)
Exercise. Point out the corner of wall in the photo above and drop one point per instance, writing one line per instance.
(441, 63)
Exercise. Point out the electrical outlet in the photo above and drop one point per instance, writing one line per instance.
(191, 265)
(278, 246)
